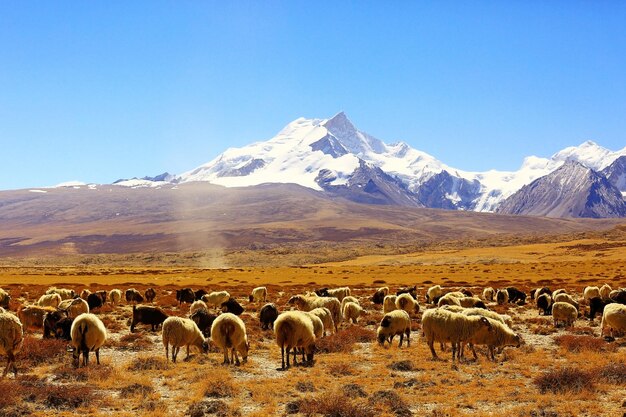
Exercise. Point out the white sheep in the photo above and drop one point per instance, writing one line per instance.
(469, 302)
(351, 312)
(198, 305)
(11, 339)
(407, 303)
(258, 294)
(294, 329)
(180, 331)
(614, 317)
(433, 294)
(590, 292)
(394, 323)
(440, 325)
(488, 294)
(339, 293)
(326, 318)
(502, 296)
(349, 299)
(88, 335)
(566, 298)
(216, 298)
(605, 291)
(65, 293)
(309, 303)
(228, 332)
(115, 296)
(565, 312)
(2, 310)
(497, 335)
(76, 307)
(502, 318)
(389, 303)
(49, 300)
(449, 300)
(84, 294)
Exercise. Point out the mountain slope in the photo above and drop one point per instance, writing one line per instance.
(616, 173)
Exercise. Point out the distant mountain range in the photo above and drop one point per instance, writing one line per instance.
(333, 156)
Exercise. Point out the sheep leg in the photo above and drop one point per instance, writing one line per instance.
(401, 339)
(187, 352)
(85, 357)
(236, 357)
(454, 349)
(167, 352)
(473, 351)
(226, 360)
(408, 340)
(6, 370)
(288, 352)
(432, 349)
(282, 354)
(98, 356)
(175, 350)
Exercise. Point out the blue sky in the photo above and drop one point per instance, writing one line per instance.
(96, 91)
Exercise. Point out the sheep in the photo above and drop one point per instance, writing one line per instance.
(326, 317)
(178, 332)
(4, 298)
(566, 298)
(433, 294)
(488, 294)
(352, 312)
(516, 296)
(557, 292)
(472, 302)
(467, 292)
(32, 316)
(318, 328)
(389, 303)
(268, 315)
(216, 298)
(186, 295)
(232, 306)
(538, 291)
(198, 294)
(614, 317)
(497, 335)
(49, 300)
(258, 294)
(204, 320)
(339, 293)
(619, 296)
(440, 325)
(94, 300)
(590, 292)
(408, 290)
(448, 299)
(115, 296)
(65, 293)
(11, 340)
(229, 333)
(502, 297)
(84, 294)
(544, 303)
(88, 335)
(294, 329)
(309, 303)
(2, 310)
(103, 296)
(565, 312)
(50, 319)
(63, 329)
(150, 294)
(154, 316)
(605, 291)
(322, 292)
(133, 296)
(379, 295)
(198, 305)
(407, 303)
(396, 322)
(349, 299)
(74, 307)
(502, 318)
(597, 305)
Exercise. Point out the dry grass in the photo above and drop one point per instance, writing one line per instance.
(36, 351)
(344, 340)
(334, 405)
(573, 343)
(563, 380)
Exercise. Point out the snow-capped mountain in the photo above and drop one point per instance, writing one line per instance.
(332, 155)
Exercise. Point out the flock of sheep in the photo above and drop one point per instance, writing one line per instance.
(452, 317)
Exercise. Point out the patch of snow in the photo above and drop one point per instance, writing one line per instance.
(38, 191)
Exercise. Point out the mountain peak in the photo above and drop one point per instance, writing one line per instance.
(339, 123)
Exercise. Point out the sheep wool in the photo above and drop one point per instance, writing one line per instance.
(11, 339)
(605, 291)
(497, 335)
(216, 298)
(394, 323)
(309, 303)
(614, 317)
(349, 299)
(351, 312)
(389, 303)
(198, 305)
(326, 317)
(294, 329)
(407, 303)
(178, 332)
(258, 294)
(88, 335)
(228, 332)
(115, 296)
(564, 312)
(590, 292)
(49, 300)
(433, 294)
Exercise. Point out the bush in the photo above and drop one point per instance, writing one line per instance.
(583, 343)
(614, 373)
(36, 351)
(392, 401)
(335, 405)
(10, 393)
(149, 363)
(564, 380)
(343, 341)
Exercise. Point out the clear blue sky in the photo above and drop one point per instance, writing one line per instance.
(96, 91)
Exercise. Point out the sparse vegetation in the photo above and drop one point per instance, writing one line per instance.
(562, 380)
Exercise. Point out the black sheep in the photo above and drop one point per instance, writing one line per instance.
(199, 293)
(133, 296)
(154, 316)
(94, 300)
(516, 296)
(544, 302)
(62, 329)
(378, 297)
(186, 295)
(150, 294)
(322, 292)
(204, 320)
(268, 315)
(620, 297)
(596, 305)
(232, 306)
(408, 290)
(50, 320)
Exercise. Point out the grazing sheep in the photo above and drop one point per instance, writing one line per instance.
(565, 312)
(88, 335)
(32, 316)
(389, 303)
(4, 299)
(352, 312)
(433, 294)
(232, 306)
(497, 335)
(516, 296)
(178, 332)
(268, 315)
(63, 329)
(597, 305)
(449, 300)
(339, 293)
(258, 294)
(154, 316)
(326, 317)
(115, 296)
(502, 297)
(50, 319)
(133, 296)
(349, 299)
(198, 294)
(614, 317)
(472, 302)
(605, 291)
(94, 300)
(309, 303)
(380, 294)
(204, 320)
(318, 328)
(150, 294)
(294, 329)
(440, 325)
(198, 305)
(467, 292)
(186, 295)
(103, 296)
(488, 294)
(77, 307)
(407, 303)
(216, 298)
(408, 290)
(49, 300)
(619, 296)
(544, 303)
(534, 294)
(65, 293)
(502, 318)
(322, 292)
(229, 333)
(84, 294)
(11, 340)
(590, 292)
(566, 298)
(396, 322)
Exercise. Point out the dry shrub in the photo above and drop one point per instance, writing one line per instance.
(334, 405)
(391, 400)
(559, 381)
(67, 397)
(36, 351)
(208, 407)
(147, 363)
(218, 384)
(86, 373)
(613, 373)
(341, 369)
(583, 343)
(136, 389)
(10, 390)
(134, 342)
(343, 341)
(111, 324)
(404, 366)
